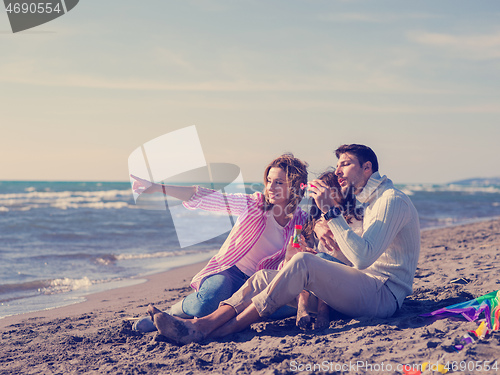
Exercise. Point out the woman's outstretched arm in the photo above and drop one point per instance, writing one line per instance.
(184, 193)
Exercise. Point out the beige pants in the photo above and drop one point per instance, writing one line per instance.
(343, 288)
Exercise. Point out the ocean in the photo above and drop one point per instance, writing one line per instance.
(61, 241)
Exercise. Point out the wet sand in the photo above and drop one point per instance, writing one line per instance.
(95, 337)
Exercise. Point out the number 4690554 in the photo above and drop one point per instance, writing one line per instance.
(33, 8)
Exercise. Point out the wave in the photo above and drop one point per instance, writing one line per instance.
(410, 189)
(110, 259)
(47, 286)
(63, 200)
(13, 291)
(107, 259)
(160, 254)
(26, 286)
(105, 194)
(448, 222)
(67, 284)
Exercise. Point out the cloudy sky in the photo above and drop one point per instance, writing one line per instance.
(418, 81)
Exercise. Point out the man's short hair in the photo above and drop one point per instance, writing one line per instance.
(361, 152)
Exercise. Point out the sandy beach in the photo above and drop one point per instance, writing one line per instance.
(95, 337)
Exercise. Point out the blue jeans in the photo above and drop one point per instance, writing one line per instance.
(219, 287)
(213, 290)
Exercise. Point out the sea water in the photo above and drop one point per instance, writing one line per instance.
(63, 240)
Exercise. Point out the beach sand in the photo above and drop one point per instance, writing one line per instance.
(94, 337)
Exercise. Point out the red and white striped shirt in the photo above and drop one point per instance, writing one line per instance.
(246, 231)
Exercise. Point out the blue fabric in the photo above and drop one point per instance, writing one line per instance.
(326, 256)
(214, 289)
(283, 312)
(143, 325)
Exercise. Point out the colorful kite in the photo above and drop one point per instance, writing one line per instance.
(471, 310)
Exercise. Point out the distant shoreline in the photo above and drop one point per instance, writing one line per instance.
(469, 181)
(463, 222)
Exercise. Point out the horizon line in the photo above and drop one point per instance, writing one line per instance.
(249, 182)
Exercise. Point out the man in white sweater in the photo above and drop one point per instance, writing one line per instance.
(384, 259)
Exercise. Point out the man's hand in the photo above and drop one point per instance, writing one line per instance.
(291, 251)
(325, 235)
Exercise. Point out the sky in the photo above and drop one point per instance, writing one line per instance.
(417, 81)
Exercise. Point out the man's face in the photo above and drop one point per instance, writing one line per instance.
(350, 173)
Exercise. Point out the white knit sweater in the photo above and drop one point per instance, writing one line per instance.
(389, 247)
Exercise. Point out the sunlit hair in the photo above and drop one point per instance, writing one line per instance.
(296, 174)
(348, 204)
